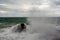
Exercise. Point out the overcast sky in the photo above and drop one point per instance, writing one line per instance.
(29, 8)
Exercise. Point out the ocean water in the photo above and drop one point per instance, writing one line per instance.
(38, 29)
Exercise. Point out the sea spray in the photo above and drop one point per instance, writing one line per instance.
(38, 29)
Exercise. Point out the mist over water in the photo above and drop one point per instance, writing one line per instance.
(41, 28)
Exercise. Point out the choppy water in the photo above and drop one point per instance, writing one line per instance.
(37, 30)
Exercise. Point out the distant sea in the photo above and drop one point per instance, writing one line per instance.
(9, 21)
(12, 19)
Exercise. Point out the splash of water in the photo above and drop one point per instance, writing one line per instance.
(10, 34)
(39, 29)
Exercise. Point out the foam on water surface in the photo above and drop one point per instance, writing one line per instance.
(39, 29)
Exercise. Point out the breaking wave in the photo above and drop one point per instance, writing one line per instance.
(34, 31)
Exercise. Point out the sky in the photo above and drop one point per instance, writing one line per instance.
(29, 8)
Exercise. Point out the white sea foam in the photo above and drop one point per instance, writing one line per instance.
(39, 29)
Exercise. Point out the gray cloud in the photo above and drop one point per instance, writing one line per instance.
(55, 3)
(26, 8)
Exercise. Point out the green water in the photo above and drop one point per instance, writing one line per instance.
(9, 21)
